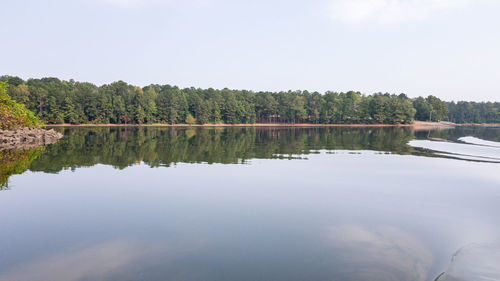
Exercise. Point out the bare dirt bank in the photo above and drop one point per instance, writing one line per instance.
(23, 138)
(421, 125)
(229, 125)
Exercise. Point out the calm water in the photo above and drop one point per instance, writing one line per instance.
(247, 203)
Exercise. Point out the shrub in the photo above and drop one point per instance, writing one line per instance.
(13, 114)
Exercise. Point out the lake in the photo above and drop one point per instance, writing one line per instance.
(159, 203)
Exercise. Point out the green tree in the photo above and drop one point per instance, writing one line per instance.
(190, 119)
(69, 112)
(439, 109)
(140, 115)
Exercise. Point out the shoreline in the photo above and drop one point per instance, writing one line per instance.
(418, 125)
(231, 125)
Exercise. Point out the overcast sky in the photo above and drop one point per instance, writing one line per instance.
(448, 48)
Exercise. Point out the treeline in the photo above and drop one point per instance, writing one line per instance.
(57, 101)
(474, 112)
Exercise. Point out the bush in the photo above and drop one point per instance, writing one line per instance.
(13, 114)
(190, 119)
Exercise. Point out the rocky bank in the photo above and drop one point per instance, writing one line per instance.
(21, 138)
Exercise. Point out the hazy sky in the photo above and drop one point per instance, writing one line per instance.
(448, 48)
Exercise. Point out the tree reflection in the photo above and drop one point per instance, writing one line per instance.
(14, 162)
(122, 147)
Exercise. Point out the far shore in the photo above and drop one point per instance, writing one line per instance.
(417, 125)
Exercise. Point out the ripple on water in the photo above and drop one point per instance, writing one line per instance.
(474, 262)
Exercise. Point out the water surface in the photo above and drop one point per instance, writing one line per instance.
(246, 204)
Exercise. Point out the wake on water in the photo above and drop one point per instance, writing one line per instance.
(469, 148)
(474, 140)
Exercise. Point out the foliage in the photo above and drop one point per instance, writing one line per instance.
(474, 112)
(13, 114)
(57, 101)
(430, 109)
(190, 119)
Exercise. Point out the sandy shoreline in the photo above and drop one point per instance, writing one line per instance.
(418, 125)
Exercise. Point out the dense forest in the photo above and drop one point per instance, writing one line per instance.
(72, 102)
(474, 112)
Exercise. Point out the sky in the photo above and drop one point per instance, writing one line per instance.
(446, 48)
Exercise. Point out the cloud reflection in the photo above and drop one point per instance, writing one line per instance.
(383, 253)
(90, 263)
